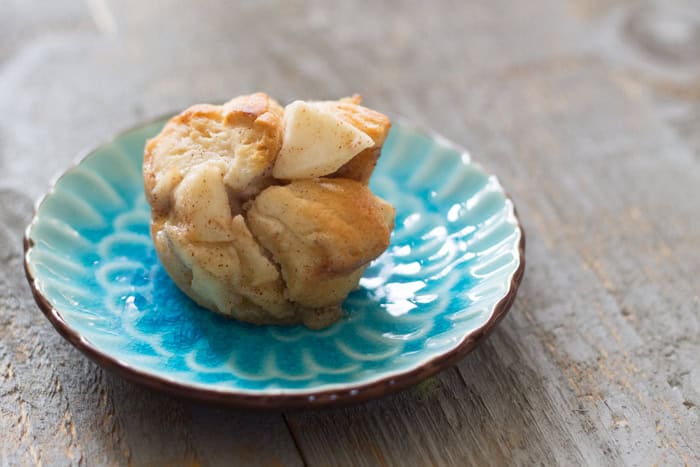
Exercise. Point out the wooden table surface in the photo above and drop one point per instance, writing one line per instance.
(588, 110)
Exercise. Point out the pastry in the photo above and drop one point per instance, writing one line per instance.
(263, 213)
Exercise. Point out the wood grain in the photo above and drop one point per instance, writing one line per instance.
(589, 112)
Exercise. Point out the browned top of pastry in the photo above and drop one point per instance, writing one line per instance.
(242, 136)
(261, 249)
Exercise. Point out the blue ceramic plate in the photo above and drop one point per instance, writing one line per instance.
(454, 264)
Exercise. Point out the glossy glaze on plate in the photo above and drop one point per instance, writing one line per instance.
(454, 264)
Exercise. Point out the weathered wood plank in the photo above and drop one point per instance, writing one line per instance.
(589, 367)
(622, 218)
(587, 110)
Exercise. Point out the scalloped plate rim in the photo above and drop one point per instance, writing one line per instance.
(332, 394)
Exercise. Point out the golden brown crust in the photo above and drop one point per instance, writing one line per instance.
(322, 233)
(240, 244)
(374, 124)
(360, 167)
(246, 133)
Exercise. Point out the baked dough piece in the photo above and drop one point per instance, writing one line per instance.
(247, 245)
(242, 136)
(371, 122)
(322, 233)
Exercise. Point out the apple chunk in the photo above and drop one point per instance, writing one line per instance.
(316, 142)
